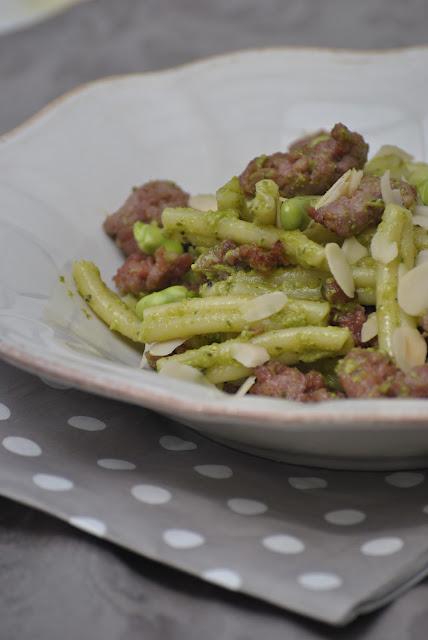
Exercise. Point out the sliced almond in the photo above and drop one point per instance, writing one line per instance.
(164, 348)
(409, 348)
(402, 270)
(340, 268)
(264, 306)
(421, 221)
(250, 355)
(354, 250)
(245, 386)
(421, 210)
(183, 372)
(392, 150)
(144, 363)
(422, 257)
(389, 195)
(369, 328)
(382, 249)
(354, 181)
(345, 186)
(203, 202)
(413, 290)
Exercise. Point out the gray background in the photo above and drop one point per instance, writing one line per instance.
(54, 581)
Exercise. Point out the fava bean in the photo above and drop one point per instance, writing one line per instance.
(149, 237)
(170, 294)
(294, 212)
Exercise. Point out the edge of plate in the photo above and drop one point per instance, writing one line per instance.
(158, 399)
(206, 60)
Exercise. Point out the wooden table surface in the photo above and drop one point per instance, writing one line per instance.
(57, 583)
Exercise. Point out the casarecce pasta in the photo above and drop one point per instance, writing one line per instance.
(290, 281)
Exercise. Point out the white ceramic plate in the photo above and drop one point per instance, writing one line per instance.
(64, 170)
(16, 14)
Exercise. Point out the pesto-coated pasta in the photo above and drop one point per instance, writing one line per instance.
(294, 342)
(269, 285)
(104, 302)
(198, 316)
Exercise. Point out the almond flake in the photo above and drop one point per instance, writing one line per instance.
(413, 290)
(183, 372)
(389, 195)
(369, 328)
(354, 181)
(345, 186)
(382, 249)
(409, 348)
(340, 268)
(264, 306)
(422, 257)
(421, 221)
(354, 250)
(402, 270)
(249, 355)
(245, 386)
(164, 348)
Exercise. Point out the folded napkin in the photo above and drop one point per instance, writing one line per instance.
(326, 544)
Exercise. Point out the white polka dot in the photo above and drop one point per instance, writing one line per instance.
(21, 446)
(319, 581)
(86, 423)
(173, 443)
(345, 517)
(224, 578)
(425, 509)
(405, 479)
(150, 494)
(281, 543)
(382, 546)
(216, 471)
(90, 525)
(182, 538)
(54, 384)
(246, 507)
(115, 464)
(307, 483)
(52, 483)
(4, 412)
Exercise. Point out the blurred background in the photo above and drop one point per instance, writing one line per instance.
(77, 41)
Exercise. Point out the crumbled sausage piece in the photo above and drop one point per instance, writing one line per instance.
(366, 373)
(145, 203)
(311, 166)
(348, 216)
(278, 380)
(141, 272)
(228, 253)
(352, 316)
(413, 384)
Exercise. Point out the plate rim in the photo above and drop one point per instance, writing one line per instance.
(8, 136)
(160, 399)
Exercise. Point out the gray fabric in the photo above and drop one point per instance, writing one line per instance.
(103, 37)
(321, 528)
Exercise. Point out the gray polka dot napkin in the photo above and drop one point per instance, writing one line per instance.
(329, 545)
